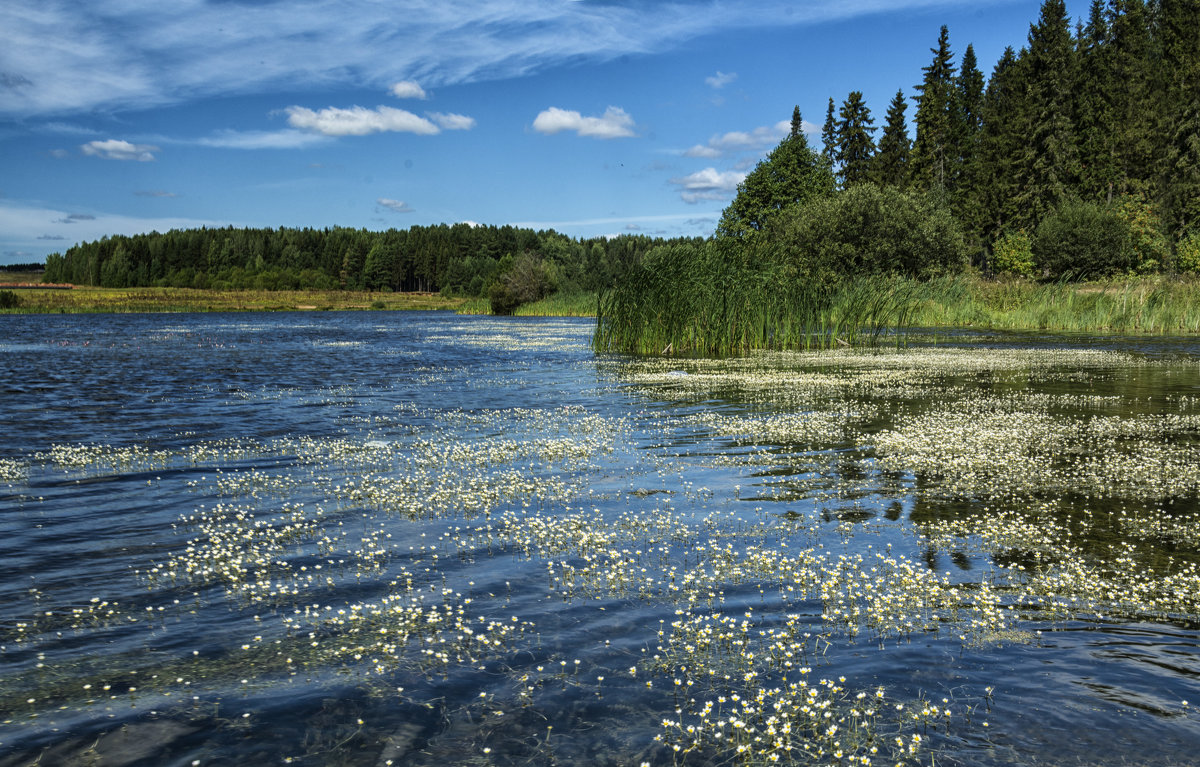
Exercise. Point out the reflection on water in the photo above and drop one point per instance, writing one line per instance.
(420, 538)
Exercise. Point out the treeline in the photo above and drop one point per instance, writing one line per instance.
(1078, 158)
(461, 260)
(1097, 121)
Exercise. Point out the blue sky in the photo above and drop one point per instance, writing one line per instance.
(591, 117)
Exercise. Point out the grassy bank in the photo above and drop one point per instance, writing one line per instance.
(557, 305)
(1151, 305)
(88, 299)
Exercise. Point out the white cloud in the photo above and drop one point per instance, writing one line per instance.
(451, 121)
(614, 123)
(116, 149)
(708, 184)
(284, 139)
(407, 89)
(65, 56)
(358, 121)
(395, 206)
(755, 140)
(720, 79)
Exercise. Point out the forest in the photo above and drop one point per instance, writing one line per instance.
(1078, 158)
(508, 264)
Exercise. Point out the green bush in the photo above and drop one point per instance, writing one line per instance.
(1187, 254)
(865, 230)
(1150, 247)
(1082, 240)
(527, 278)
(9, 300)
(1012, 254)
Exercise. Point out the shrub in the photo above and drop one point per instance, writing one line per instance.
(1150, 248)
(1082, 240)
(868, 229)
(1011, 254)
(1187, 254)
(9, 300)
(528, 278)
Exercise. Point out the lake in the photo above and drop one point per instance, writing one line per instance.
(373, 538)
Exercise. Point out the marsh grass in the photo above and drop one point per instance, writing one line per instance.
(89, 299)
(695, 302)
(1150, 305)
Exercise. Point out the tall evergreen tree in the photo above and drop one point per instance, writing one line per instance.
(890, 166)
(1128, 54)
(932, 150)
(797, 122)
(855, 144)
(829, 134)
(1049, 167)
(791, 174)
(1098, 132)
(1001, 142)
(968, 103)
(1179, 78)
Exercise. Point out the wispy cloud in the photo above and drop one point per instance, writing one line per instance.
(116, 149)
(154, 193)
(407, 89)
(452, 121)
(282, 139)
(395, 206)
(358, 121)
(720, 79)
(614, 123)
(708, 184)
(74, 218)
(140, 53)
(755, 140)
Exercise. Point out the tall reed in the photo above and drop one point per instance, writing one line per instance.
(698, 300)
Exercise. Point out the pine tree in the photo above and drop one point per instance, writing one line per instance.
(890, 166)
(829, 134)
(931, 153)
(855, 145)
(797, 122)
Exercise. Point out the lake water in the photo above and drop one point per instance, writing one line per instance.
(393, 538)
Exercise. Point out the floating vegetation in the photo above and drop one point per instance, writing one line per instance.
(804, 558)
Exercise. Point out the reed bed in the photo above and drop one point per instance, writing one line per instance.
(1152, 305)
(689, 301)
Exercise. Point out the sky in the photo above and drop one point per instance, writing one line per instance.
(589, 117)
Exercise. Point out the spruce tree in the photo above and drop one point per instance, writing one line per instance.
(791, 174)
(1128, 53)
(829, 134)
(1098, 132)
(1049, 166)
(931, 153)
(1179, 86)
(855, 145)
(890, 166)
(1000, 145)
(797, 122)
(968, 103)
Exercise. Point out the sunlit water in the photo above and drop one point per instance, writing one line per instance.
(391, 538)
